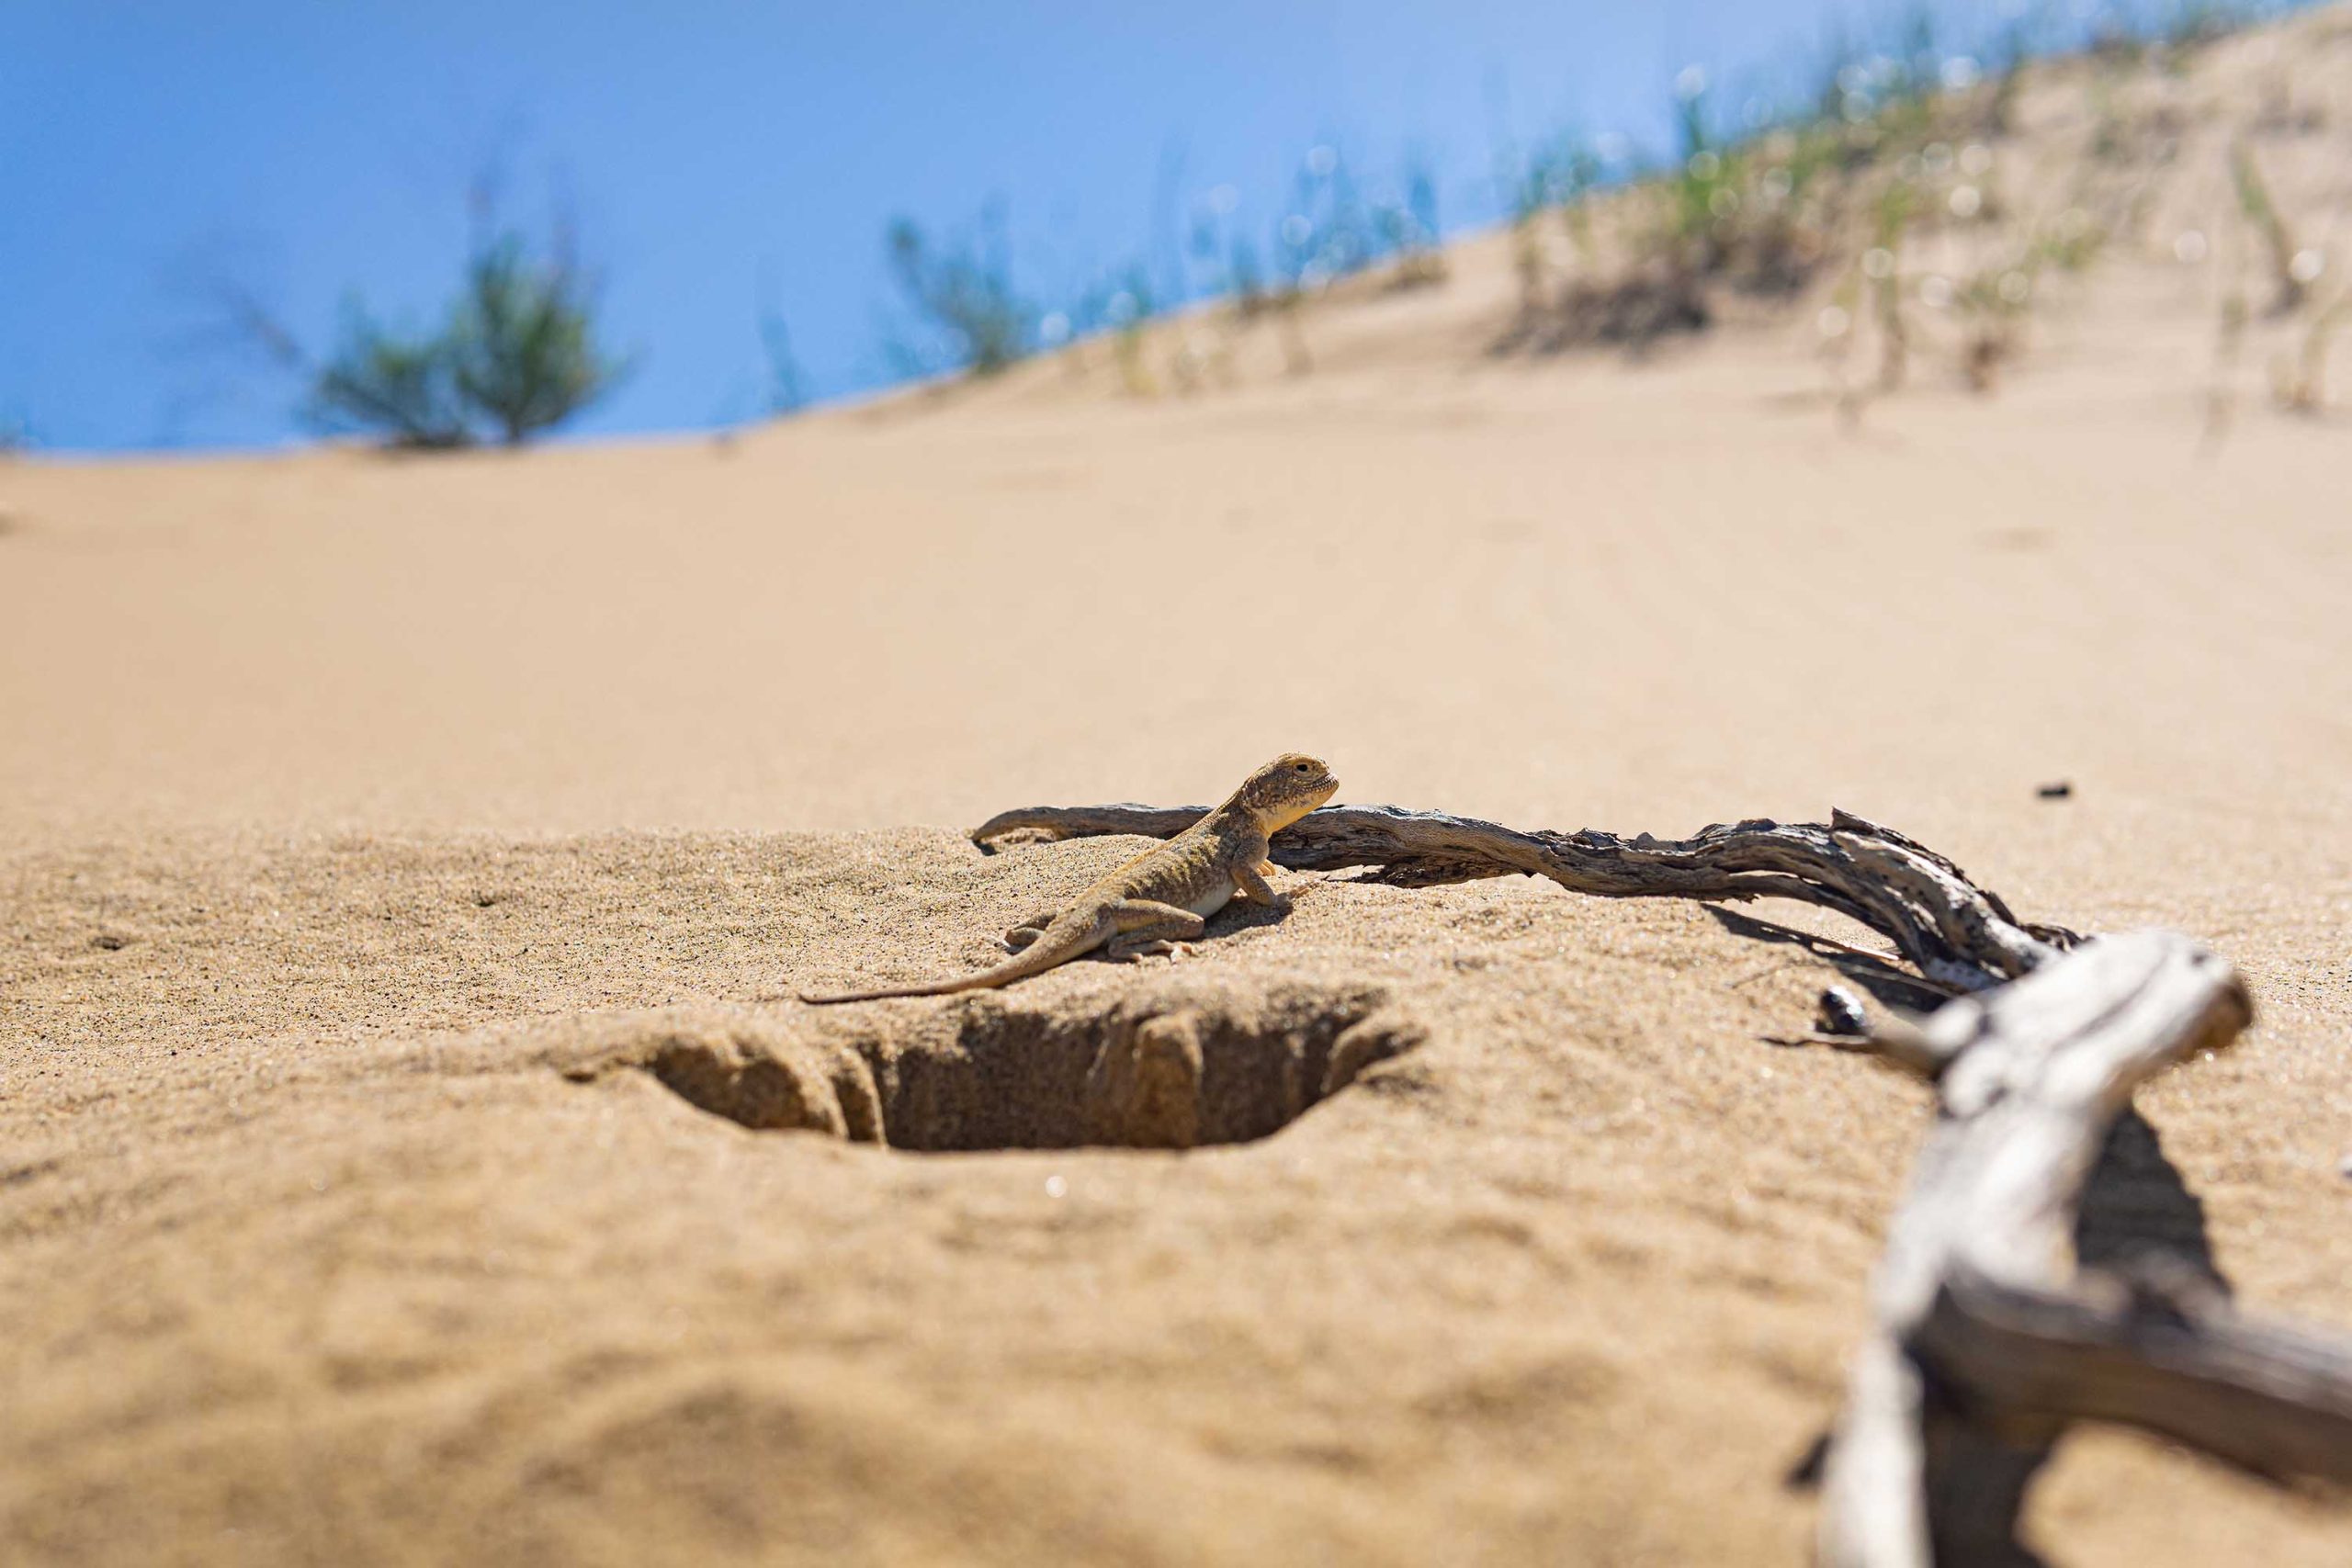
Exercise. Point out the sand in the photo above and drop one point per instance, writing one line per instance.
(403, 861)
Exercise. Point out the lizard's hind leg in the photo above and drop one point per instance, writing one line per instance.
(1148, 928)
(1018, 937)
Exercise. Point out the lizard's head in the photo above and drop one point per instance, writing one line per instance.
(1286, 789)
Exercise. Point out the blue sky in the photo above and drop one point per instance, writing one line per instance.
(713, 153)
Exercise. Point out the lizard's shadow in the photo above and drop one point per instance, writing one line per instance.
(1238, 916)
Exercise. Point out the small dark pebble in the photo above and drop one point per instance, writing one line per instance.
(2058, 791)
(110, 942)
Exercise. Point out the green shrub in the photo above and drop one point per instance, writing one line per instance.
(382, 383)
(517, 356)
(523, 342)
(967, 291)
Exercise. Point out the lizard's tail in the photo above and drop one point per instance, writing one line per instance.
(986, 977)
(1056, 946)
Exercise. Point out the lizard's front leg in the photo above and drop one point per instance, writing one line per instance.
(1250, 881)
(1148, 928)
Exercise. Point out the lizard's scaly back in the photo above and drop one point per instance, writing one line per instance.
(1171, 886)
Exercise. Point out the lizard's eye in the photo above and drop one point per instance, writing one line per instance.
(1302, 767)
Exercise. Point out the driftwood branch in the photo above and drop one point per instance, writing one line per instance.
(1954, 932)
(1986, 1344)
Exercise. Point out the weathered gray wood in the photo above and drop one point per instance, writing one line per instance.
(1955, 932)
(1981, 1328)
(1985, 1344)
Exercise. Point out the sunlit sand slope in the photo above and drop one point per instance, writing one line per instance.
(407, 1152)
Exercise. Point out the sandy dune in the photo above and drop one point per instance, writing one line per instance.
(401, 860)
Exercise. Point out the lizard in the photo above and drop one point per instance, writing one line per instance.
(1162, 898)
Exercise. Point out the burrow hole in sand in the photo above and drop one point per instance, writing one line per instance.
(1168, 1069)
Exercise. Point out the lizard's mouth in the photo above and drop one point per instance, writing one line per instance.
(1299, 805)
